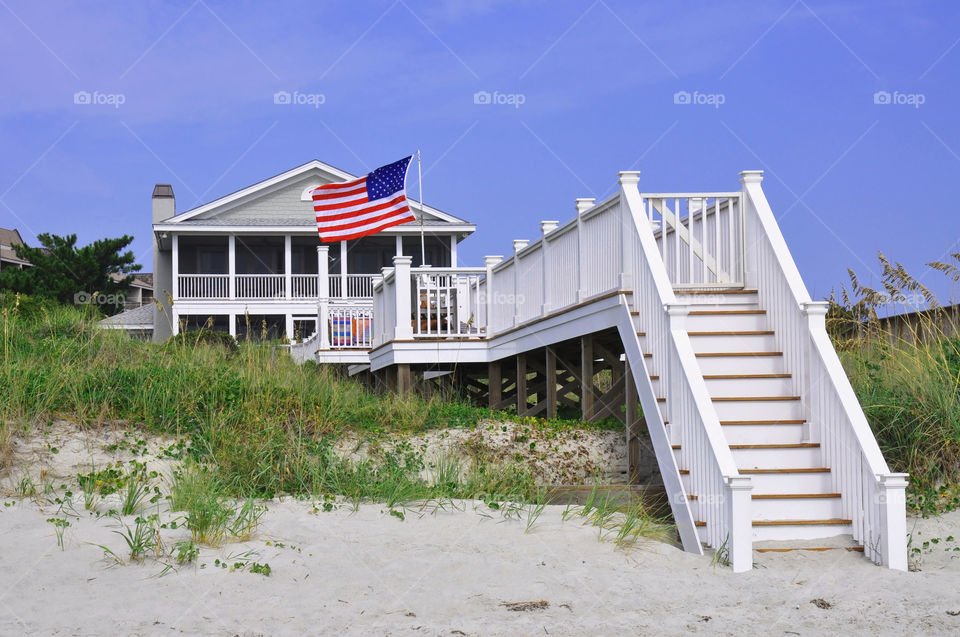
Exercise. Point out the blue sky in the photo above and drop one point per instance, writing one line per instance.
(797, 80)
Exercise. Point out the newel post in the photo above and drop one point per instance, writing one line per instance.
(546, 227)
(489, 262)
(749, 230)
(816, 315)
(893, 520)
(583, 204)
(518, 297)
(740, 540)
(627, 179)
(401, 281)
(323, 295)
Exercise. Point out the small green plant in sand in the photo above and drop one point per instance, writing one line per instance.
(209, 515)
(59, 527)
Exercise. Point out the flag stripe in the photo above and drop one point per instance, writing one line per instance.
(363, 233)
(327, 213)
(400, 208)
(319, 195)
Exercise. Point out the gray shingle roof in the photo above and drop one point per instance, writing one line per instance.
(141, 317)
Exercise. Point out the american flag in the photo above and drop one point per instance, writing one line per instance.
(363, 206)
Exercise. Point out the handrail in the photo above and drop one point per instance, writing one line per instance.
(722, 493)
(872, 496)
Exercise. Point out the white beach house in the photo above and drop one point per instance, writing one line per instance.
(248, 263)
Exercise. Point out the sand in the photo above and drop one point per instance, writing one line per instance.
(449, 572)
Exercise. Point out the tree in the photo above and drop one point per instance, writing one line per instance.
(96, 273)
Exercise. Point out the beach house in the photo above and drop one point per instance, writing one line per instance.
(248, 263)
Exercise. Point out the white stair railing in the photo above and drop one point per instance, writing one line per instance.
(872, 497)
(699, 236)
(722, 494)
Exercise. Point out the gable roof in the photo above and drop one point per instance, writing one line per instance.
(8, 239)
(323, 173)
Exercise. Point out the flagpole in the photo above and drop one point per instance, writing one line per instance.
(423, 251)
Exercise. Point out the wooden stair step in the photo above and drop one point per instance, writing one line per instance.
(733, 333)
(793, 496)
(763, 422)
(641, 333)
(736, 354)
(746, 399)
(791, 470)
(787, 549)
(699, 523)
(788, 445)
(723, 312)
(715, 291)
(832, 521)
(684, 472)
(743, 376)
(654, 377)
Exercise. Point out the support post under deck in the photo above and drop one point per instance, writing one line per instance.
(586, 377)
(521, 384)
(494, 384)
(551, 373)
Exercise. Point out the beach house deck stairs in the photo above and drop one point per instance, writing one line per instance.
(731, 358)
(762, 418)
(757, 432)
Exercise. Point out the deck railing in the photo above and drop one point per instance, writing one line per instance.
(261, 286)
(871, 496)
(448, 302)
(203, 286)
(699, 236)
(358, 286)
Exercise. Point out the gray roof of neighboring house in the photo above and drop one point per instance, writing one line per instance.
(138, 318)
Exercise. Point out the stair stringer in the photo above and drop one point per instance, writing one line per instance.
(666, 460)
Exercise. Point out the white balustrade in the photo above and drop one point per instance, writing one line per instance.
(351, 325)
(304, 286)
(448, 302)
(203, 286)
(359, 286)
(260, 286)
(699, 236)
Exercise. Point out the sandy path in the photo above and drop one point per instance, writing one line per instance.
(448, 574)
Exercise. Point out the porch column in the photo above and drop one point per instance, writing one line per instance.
(343, 269)
(175, 268)
(232, 266)
(401, 272)
(323, 294)
(453, 251)
(399, 244)
(287, 270)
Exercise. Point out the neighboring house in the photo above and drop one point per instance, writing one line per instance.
(138, 322)
(8, 256)
(248, 263)
(140, 291)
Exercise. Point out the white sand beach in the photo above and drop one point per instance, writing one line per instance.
(452, 571)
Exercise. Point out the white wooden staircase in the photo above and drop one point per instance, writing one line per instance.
(757, 432)
(762, 417)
